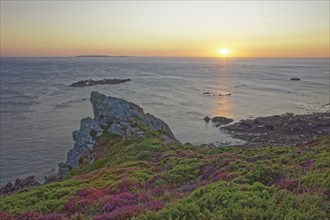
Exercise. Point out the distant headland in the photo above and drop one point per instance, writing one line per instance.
(79, 56)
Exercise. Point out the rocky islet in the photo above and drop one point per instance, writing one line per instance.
(91, 82)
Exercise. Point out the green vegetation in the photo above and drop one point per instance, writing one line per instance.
(45, 199)
(146, 178)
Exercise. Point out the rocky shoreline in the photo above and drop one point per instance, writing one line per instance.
(122, 119)
(281, 130)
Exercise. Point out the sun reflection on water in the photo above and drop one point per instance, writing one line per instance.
(223, 104)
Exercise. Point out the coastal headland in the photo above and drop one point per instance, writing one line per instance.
(127, 164)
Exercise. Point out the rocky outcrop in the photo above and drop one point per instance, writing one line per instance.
(19, 184)
(84, 139)
(121, 118)
(109, 110)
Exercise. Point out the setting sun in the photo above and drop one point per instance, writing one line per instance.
(223, 51)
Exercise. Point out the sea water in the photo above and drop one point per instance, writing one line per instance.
(39, 110)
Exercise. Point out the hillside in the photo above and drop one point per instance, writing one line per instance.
(130, 166)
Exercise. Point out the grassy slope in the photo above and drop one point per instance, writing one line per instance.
(145, 178)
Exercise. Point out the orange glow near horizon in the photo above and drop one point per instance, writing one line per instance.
(246, 29)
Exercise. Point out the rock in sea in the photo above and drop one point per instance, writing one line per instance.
(221, 120)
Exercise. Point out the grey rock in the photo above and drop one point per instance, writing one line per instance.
(116, 129)
(156, 124)
(88, 127)
(125, 130)
(78, 154)
(108, 110)
(130, 132)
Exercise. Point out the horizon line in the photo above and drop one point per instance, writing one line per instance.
(129, 56)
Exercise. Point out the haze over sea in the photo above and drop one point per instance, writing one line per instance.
(39, 111)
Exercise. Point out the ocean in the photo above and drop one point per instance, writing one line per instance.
(39, 110)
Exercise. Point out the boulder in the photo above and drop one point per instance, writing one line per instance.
(207, 118)
(117, 129)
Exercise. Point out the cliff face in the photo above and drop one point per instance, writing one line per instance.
(113, 116)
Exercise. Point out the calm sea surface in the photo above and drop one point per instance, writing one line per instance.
(39, 110)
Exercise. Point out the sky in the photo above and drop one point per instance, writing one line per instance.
(165, 28)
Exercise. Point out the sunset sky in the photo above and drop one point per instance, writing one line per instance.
(165, 28)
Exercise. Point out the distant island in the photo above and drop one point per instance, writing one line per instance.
(79, 56)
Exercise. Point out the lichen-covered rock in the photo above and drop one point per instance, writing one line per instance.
(108, 110)
(125, 130)
(84, 141)
(88, 128)
(78, 154)
(130, 131)
(116, 129)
